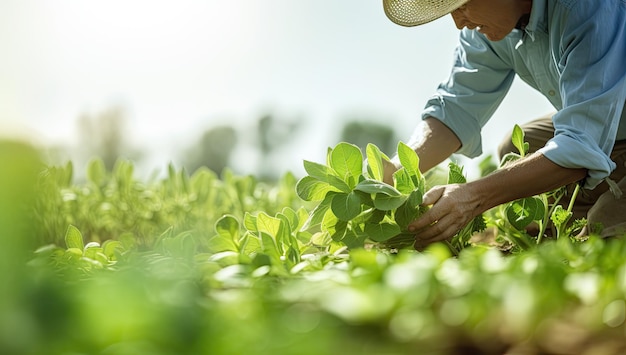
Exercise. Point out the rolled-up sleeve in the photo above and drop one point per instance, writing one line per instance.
(475, 88)
(593, 87)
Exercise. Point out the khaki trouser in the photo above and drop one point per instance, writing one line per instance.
(599, 206)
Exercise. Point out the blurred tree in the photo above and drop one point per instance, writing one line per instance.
(213, 150)
(103, 135)
(361, 133)
(272, 135)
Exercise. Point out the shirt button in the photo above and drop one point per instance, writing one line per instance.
(551, 92)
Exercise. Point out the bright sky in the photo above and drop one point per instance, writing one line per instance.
(179, 67)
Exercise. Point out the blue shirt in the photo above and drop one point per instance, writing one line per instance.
(574, 53)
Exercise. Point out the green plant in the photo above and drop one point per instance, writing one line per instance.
(514, 217)
(357, 207)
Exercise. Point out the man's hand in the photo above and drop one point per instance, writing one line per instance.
(453, 207)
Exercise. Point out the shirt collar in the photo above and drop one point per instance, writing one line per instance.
(537, 20)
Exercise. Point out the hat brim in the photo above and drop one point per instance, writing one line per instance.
(410, 13)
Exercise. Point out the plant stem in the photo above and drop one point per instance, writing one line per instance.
(546, 218)
(452, 248)
(561, 229)
(573, 199)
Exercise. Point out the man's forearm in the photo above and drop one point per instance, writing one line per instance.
(530, 176)
(433, 143)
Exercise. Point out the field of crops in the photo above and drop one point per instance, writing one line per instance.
(321, 264)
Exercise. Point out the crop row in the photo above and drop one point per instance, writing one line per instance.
(229, 265)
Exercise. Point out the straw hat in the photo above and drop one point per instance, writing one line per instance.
(417, 12)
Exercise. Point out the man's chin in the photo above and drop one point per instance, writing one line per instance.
(494, 38)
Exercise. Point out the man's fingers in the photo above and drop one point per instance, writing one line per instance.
(444, 228)
(429, 217)
(425, 220)
(433, 195)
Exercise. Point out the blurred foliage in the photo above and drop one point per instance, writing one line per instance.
(212, 151)
(20, 166)
(115, 204)
(361, 133)
(104, 135)
(274, 132)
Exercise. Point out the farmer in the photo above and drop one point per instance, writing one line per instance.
(574, 53)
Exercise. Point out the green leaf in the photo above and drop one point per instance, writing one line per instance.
(317, 215)
(321, 239)
(333, 226)
(455, 175)
(403, 181)
(290, 217)
(415, 199)
(250, 243)
(227, 238)
(462, 238)
(73, 238)
(408, 158)
(346, 206)
(268, 224)
(323, 173)
(408, 211)
(521, 213)
(338, 184)
(275, 227)
(312, 189)
(249, 222)
(228, 227)
(317, 170)
(410, 161)
(375, 166)
(109, 247)
(96, 172)
(90, 251)
(338, 231)
(73, 254)
(387, 203)
(123, 172)
(352, 240)
(517, 138)
(268, 246)
(303, 215)
(381, 231)
(217, 244)
(376, 187)
(371, 215)
(288, 230)
(347, 161)
(509, 157)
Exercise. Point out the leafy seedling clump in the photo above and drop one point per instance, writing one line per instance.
(357, 207)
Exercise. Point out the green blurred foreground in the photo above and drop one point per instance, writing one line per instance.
(203, 264)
